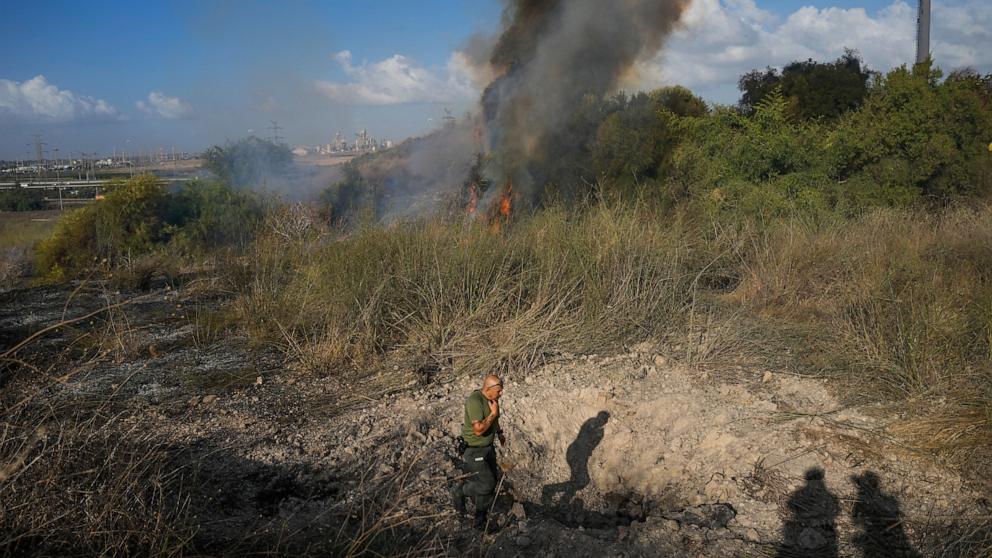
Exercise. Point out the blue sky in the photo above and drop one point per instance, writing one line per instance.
(95, 76)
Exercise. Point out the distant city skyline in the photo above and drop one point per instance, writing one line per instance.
(112, 76)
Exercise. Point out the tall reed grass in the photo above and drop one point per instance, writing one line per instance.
(455, 294)
(907, 299)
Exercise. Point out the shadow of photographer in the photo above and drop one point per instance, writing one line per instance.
(811, 528)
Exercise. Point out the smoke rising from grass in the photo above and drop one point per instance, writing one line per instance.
(550, 55)
(267, 167)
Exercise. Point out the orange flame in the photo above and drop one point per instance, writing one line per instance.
(501, 214)
(473, 200)
(504, 201)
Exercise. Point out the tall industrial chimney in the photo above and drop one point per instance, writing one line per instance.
(923, 31)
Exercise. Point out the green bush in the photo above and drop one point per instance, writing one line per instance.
(210, 214)
(248, 162)
(915, 139)
(141, 216)
(71, 247)
(917, 132)
(21, 199)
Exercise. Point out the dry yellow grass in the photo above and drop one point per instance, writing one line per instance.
(905, 298)
(24, 229)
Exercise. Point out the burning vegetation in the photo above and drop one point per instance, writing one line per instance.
(548, 60)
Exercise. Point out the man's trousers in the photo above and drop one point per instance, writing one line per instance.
(480, 462)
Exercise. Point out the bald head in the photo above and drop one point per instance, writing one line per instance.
(492, 387)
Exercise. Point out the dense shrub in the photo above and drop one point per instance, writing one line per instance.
(248, 162)
(21, 199)
(917, 132)
(916, 139)
(140, 216)
(633, 143)
(210, 214)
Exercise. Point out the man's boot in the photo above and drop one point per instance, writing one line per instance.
(458, 499)
(481, 518)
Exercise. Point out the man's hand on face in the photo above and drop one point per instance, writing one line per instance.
(494, 408)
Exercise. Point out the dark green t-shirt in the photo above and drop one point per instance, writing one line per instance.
(477, 408)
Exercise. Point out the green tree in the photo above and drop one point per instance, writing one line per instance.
(633, 142)
(812, 89)
(918, 132)
(249, 161)
(680, 101)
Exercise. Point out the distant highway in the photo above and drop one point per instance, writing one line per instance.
(67, 184)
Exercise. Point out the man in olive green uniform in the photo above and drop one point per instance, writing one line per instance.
(481, 426)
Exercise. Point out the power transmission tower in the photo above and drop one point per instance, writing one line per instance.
(39, 153)
(275, 127)
(39, 148)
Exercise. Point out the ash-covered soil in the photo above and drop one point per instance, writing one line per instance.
(632, 454)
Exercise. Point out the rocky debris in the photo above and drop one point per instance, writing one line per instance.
(709, 516)
(549, 538)
(518, 511)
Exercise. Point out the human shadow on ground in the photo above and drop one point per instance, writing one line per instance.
(560, 500)
(811, 529)
(880, 521)
(577, 455)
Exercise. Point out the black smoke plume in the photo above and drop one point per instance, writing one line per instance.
(552, 54)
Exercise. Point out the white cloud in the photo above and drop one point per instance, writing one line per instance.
(721, 40)
(399, 79)
(160, 104)
(718, 42)
(38, 100)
